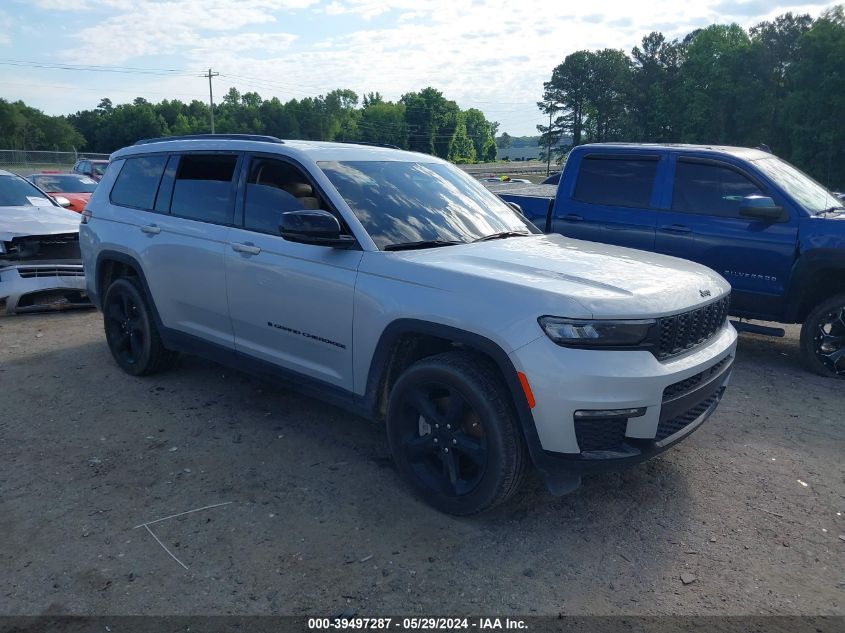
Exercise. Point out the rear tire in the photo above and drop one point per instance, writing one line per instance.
(131, 332)
(454, 433)
(823, 338)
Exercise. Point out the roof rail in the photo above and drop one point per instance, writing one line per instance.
(387, 145)
(205, 137)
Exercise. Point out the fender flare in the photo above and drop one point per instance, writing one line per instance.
(129, 260)
(805, 278)
(400, 327)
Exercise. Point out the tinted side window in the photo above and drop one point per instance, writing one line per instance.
(615, 181)
(137, 183)
(203, 189)
(710, 189)
(273, 188)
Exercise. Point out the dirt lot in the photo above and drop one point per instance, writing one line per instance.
(750, 506)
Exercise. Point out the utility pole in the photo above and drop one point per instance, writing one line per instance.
(211, 96)
(548, 148)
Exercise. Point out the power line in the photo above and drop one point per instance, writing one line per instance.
(192, 95)
(94, 68)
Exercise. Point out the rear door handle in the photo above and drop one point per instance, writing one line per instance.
(676, 228)
(573, 217)
(151, 229)
(246, 249)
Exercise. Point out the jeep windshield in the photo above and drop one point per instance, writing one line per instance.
(17, 192)
(806, 191)
(421, 205)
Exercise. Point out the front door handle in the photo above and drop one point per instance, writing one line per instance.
(151, 229)
(246, 249)
(573, 217)
(676, 228)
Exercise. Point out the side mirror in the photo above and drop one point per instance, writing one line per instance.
(320, 228)
(761, 208)
(515, 207)
(62, 201)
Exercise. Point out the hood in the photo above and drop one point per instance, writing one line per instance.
(27, 220)
(570, 278)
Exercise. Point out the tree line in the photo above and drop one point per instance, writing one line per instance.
(781, 83)
(423, 121)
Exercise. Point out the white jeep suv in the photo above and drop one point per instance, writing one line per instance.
(397, 286)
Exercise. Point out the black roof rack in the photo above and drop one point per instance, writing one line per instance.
(387, 145)
(204, 137)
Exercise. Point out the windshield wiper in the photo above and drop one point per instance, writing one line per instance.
(502, 235)
(407, 246)
(831, 210)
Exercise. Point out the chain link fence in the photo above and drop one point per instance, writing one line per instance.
(25, 162)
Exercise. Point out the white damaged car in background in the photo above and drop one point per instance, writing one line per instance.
(40, 265)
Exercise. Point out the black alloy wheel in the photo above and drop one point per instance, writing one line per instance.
(443, 439)
(125, 329)
(454, 433)
(131, 332)
(829, 341)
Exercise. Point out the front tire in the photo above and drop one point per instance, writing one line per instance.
(823, 338)
(131, 333)
(454, 434)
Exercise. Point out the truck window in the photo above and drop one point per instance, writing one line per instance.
(204, 189)
(710, 189)
(616, 180)
(273, 188)
(137, 183)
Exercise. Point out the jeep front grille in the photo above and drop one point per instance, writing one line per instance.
(682, 332)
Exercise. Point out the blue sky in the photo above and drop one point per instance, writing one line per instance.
(492, 54)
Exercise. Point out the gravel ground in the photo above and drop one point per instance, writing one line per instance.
(748, 510)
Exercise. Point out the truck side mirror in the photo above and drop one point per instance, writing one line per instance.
(761, 208)
(515, 207)
(316, 227)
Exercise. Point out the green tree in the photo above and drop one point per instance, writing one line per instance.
(383, 122)
(719, 88)
(461, 149)
(432, 121)
(341, 116)
(24, 127)
(480, 131)
(655, 90)
(504, 141)
(775, 48)
(815, 106)
(567, 92)
(606, 91)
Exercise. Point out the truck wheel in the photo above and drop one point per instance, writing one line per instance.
(823, 338)
(131, 332)
(454, 433)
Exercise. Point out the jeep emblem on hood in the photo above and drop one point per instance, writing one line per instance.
(704, 293)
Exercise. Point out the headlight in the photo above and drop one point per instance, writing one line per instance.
(2, 247)
(595, 333)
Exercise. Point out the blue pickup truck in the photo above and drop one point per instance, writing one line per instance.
(774, 233)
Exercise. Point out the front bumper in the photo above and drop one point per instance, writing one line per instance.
(34, 287)
(677, 396)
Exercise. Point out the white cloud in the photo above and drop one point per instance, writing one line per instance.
(5, 27)
(168, 27)
(494, 54)
(370, 8)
